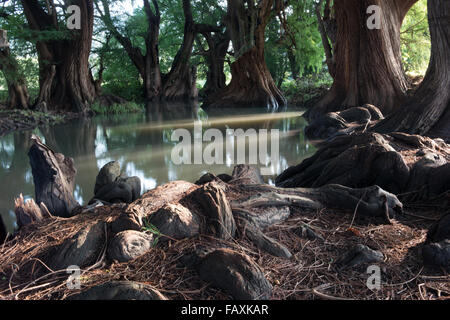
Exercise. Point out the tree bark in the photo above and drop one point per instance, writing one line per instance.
(65, 80)
(28, 212)
(179, 83)
(54, 179)
(368, 66)
(215, 59)
(152, 71)
(428, 111)
(18, 97)
(251, 84)
(322, 20)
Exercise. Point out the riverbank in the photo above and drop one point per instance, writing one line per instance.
(16, 120)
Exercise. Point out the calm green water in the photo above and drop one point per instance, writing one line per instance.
(142, 144)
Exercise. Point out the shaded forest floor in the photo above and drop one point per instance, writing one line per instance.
(310, 274)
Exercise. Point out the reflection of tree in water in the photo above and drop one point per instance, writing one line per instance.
(15, 172)
(171, 111)
(156, 140)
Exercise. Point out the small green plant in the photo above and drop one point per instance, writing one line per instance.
(148, 227)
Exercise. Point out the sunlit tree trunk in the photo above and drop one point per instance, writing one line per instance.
(367, 62)
(428, 111)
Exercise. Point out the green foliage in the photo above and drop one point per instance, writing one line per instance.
(309, 52)
(307, 88)
(130, 107)
(416, 41)
(120, 76)
(295, 49)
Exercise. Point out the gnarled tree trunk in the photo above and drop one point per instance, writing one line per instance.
(65, 80)
(428, 111)
(367, 62)
(18, 96)
(151, 73)
(215, 60)
(328, 34)
(252, 83)
(179, 83)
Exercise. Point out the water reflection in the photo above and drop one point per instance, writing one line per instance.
(141, 143)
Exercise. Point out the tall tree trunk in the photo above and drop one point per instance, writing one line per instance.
(152, 70)
(18, 97)
(215, 59)
(178, 83)
(65, 79)
(368, 66)
(325, 23)
(251, 84)
(428, 111)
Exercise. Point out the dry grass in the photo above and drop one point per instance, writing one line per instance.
(310, 274)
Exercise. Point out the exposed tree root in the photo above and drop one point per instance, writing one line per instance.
(414, 167)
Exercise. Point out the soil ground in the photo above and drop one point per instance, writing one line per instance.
(310, 274)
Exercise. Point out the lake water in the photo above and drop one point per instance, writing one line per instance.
(142, 144)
